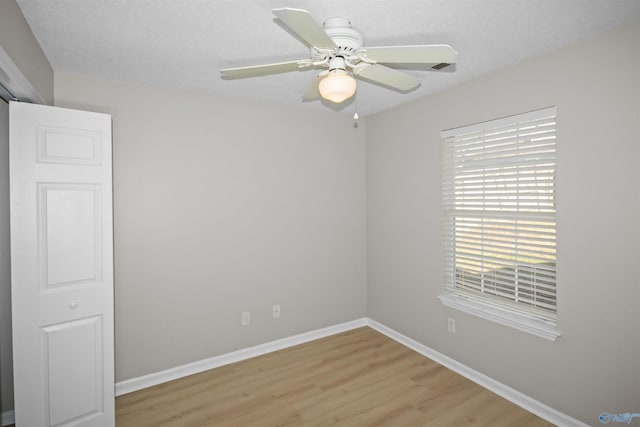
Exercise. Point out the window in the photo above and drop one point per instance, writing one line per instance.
(499, 220)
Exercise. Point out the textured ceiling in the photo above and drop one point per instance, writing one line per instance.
(184, 43)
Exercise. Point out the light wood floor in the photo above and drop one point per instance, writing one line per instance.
(357, 378)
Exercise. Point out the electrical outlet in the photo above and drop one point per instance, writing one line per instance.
(246, 318)
(451, 325)
(276, 311)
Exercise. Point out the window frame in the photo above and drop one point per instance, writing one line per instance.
(483, 304)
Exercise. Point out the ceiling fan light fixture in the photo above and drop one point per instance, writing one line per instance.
(337, 86)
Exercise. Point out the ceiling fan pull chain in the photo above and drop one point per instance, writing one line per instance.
(355, 103)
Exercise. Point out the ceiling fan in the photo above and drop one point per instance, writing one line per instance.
(338, 49)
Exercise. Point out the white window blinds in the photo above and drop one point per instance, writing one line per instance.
(499, 213)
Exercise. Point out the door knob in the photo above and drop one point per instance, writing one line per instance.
(73, 305)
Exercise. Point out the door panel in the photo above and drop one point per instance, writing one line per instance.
(70, 238)
(62, 266)
(74, 381)
(68, 146)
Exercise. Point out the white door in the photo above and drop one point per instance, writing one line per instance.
(61, 266)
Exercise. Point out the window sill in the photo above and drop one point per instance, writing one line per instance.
(502, 316)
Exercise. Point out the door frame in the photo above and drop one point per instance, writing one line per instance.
(15, 86)
(14, 81)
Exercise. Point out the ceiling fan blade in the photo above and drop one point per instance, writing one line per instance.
(301, 23)
(312, 93)
(418, 54)
(265, 69)
(386, 76)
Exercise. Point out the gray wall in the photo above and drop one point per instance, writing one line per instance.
(20, 44)
(594, 366)
(6, 366)
(223, 206)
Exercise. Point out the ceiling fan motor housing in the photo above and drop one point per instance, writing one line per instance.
(347, 39)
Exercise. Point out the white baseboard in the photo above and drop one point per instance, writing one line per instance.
(8, 417)
(526, 402)
(134, 384)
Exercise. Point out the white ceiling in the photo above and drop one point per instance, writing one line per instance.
(184, 43)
